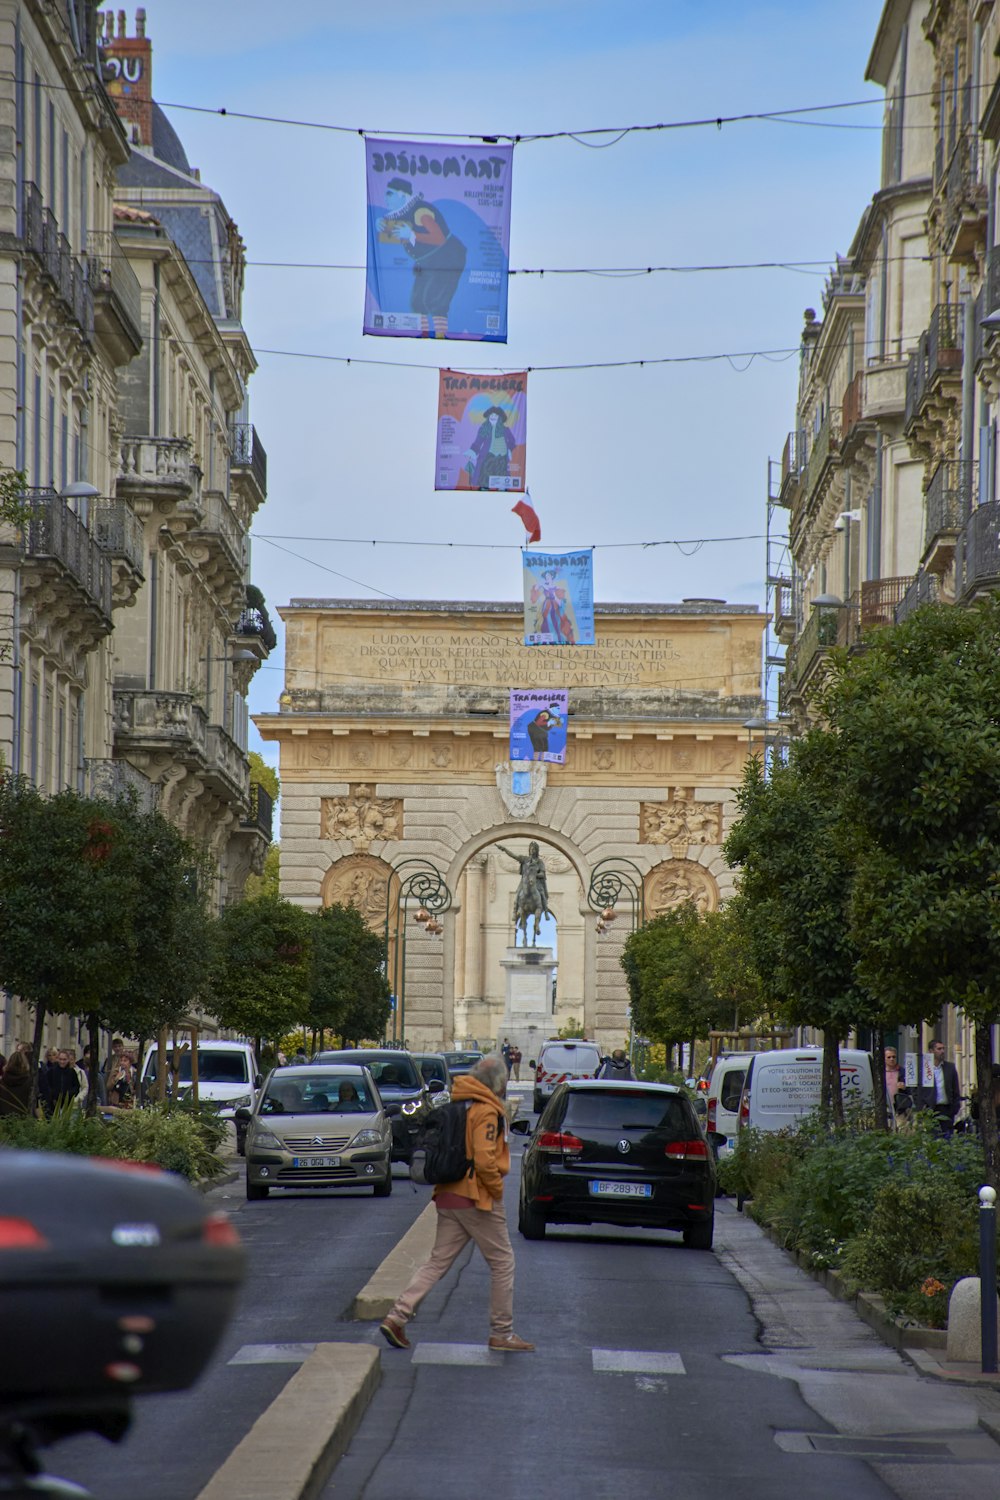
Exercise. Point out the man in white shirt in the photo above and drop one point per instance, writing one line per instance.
(944, 1095)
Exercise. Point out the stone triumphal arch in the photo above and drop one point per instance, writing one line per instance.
(393, 739)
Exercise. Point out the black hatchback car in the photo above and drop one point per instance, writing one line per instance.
(618, 1153)
(405, 1093)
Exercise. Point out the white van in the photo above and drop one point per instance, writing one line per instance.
(228, 1074)
(782, 1086)
(559, 1060)
(725, 1087)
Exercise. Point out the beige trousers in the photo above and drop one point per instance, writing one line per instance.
(455, 1228)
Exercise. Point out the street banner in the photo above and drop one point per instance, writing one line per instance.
(438, 240)
(480, 431)
(538, 724)
(559, 598)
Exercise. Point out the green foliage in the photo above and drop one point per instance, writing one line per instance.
(178, 1140)
(349, 991)
(261, 774)
(262, 971)
(667, 966)
(921, 1238)
(571, 1029)
(895, 1212)
(14, 509)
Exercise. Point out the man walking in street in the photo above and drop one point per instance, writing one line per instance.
(617, 1066)
(472, 1209)
(944, 1095)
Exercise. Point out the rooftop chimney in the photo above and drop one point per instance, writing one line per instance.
(128, 71)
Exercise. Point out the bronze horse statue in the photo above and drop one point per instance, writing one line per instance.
(532, 897)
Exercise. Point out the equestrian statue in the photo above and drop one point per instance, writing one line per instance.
(532, 897)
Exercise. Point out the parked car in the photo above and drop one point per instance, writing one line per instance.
(618, 1153)
(434, 1068)
(559, 1060)
(402, 1088)
(461, 1062)
(783, 1086)
(724, 1089)
(228, 1074)
(318, 1127)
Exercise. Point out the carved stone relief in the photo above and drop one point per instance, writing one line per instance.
(360, 881)
(441, 755)
(399, 754)
(642, 758)
(603, 758)
(681, 821)
(676, 881)
(362, 817)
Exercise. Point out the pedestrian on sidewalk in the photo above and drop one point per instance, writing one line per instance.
(472, 1209)
(516, 1063)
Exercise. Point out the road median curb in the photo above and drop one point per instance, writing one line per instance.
(395, 1273)
(291, 1450)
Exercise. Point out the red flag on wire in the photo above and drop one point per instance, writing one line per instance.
(529, 516)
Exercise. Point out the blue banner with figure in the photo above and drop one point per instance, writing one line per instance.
(559, 598)
(538, 724)
(438, 240)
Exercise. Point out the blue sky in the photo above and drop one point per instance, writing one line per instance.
(632, 455)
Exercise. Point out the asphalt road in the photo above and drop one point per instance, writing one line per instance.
(308, 1256)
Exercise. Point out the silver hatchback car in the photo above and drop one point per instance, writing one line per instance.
(317, 1126)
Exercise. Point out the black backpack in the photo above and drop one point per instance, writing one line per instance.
(439, 1153)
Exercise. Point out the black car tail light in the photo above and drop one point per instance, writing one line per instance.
(687, 1150)
(558, 1141)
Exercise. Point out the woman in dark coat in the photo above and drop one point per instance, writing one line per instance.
(15, 1087)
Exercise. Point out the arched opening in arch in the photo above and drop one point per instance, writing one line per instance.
(497, 991)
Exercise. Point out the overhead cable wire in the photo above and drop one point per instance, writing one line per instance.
(358, 541)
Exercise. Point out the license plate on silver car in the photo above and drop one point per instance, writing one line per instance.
(315, 1161)
(621, 1190)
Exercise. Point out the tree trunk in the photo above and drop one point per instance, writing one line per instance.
(987, 1113)
(161, 1065)
(832, 1100)
(881, 1105)
(36, 1052)
(94, 1032)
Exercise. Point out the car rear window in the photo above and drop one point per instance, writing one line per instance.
(569, 1059)
(319, 1094)
(621, 1110)
(388, 1072)
(732, 1088)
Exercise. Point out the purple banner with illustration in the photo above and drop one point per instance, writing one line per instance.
(480, 432)
(538, 724)
(438, 240)
(558, 597)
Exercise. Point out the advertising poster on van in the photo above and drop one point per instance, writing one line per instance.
(481, 427)
(538, 724)
(438, 240)
(559, 598)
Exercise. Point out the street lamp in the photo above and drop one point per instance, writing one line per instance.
(610, 880)
(420, 880)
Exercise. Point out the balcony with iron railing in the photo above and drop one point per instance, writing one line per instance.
(947, 503)
(977, 554)
(964, 198)
(259, 818)
(785, 611)
(878, 600)
(55, 534)
(247, 454)
(826, 626)
(852, 409)
(256, 622)
(825, 447)
(50, 249)
(925, 589)
(116, 289)
(117, 529)
(938, 356)
(793, 459)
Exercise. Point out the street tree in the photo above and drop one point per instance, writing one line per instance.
(69, 900)
(794, 899)
(350, 993)
(668, 972)
(917, 721)
(262, 968)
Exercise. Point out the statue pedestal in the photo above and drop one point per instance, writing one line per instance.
(529, 1007)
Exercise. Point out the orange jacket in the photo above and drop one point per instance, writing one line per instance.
(485, 1143)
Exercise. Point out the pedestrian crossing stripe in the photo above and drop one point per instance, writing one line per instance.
(636, 1362)
(603, 1361)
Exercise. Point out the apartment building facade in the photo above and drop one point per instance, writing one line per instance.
(129, 626)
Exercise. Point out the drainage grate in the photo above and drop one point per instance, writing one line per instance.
(878, 1447)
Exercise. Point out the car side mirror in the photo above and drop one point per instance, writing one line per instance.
(242, 1114)
(435, 1086)
(521, 1127)
(394, 1108)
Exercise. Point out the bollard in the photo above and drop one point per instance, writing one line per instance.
(988, 1280)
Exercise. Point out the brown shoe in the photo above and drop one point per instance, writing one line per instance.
(510, 1343)
(394, 1333)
